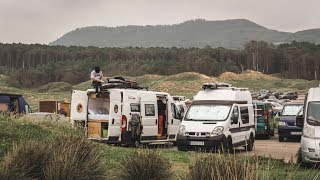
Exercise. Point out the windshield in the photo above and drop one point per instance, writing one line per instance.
(208, 112)
(313, 116)
(291, 110)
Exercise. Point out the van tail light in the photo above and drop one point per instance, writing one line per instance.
(266, 114)
(123, 123)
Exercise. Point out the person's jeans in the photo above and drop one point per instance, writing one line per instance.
(97, 86)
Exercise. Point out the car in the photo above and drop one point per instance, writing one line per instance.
(276, 107)
(276, 94)
(288, 95)
(287, 123)
(264, 94)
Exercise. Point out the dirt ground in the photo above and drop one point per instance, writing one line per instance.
(277, 150)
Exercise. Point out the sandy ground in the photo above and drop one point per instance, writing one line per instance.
(277, 150)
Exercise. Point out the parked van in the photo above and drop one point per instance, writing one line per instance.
(309, 119)
(14, 104)
(126, 116)
(264, 115)
(287, 123)
(220, 116)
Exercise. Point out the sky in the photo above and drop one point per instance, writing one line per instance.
(44, 21)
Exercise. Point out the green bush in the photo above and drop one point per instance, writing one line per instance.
(146, 164)
(66, 157)
(222, 167)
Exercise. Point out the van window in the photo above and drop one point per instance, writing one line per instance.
(135, 107)
(244, 115)
(291, 109)
(208, 112)
(313, 115)
(235, 114)
(150, 110)
(175, 112)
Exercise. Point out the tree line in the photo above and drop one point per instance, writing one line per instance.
(35, 65)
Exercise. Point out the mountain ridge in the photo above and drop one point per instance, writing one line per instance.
(232, 33)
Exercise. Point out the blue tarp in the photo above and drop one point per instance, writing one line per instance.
(4, 99)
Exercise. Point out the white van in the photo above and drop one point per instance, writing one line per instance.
(309, 119)
(126, 116)
(220, 116)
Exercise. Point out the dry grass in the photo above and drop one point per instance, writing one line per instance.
(146, 164)
(66, 157)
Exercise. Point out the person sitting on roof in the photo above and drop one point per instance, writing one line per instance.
(96, 79)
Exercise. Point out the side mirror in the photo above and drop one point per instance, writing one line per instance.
(299, 120)
(234, 119)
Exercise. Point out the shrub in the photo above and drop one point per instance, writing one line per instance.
(25, 161)
(146, 164)
(74, 158)
(222, 167)
(64, 158)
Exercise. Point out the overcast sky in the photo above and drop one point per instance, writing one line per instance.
(43, 21)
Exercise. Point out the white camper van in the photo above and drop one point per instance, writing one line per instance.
(220, 116)
(309, 119)
(126, 116)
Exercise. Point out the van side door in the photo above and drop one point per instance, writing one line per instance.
(115, 113)
(174, 121)
(247, 122)
(149, 116)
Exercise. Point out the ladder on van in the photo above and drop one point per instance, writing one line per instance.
(255, 110)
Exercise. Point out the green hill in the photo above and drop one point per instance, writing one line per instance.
(194, 33)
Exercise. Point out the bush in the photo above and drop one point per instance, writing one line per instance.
(146, 164)
(25, 161)
(64, 158)
(74, 158)
(222, 167)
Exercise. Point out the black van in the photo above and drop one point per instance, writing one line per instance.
(13, 103)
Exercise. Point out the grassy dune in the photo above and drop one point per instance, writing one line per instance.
(187, 84)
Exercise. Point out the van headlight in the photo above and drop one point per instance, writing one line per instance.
(281, 123)
(217, 130)
(182, 130)
(308, 131)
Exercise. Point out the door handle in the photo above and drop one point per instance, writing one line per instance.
(156, 121)
(171, 121)
(113, 121)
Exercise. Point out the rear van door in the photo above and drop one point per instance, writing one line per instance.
(79, 106)
(115, 115)
(149, 116)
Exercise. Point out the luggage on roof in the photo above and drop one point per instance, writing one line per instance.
(120, 82)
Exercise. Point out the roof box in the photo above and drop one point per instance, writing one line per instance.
(215, 85)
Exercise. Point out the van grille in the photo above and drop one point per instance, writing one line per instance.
(291, 123)
(197, 133)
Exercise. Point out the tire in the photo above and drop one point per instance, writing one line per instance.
(281, 139)
(272, 133)
(228, 147)
(137, 142)
(267, 136)
(250, 144)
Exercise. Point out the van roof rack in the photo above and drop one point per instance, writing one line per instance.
(122, 83)
(215, 85)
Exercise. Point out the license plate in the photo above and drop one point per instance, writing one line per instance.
(196, 143)
(296, 133)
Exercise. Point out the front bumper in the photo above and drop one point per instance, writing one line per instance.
(307, 155)
(289, 131)
(209, 143)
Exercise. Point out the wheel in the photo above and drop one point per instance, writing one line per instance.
(250, 142)
(267, 136)
(137, 142)
(272, 132)
(227, 146)
(281, 139)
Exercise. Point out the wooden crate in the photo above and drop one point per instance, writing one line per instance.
(48, 106)
(94, 129)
